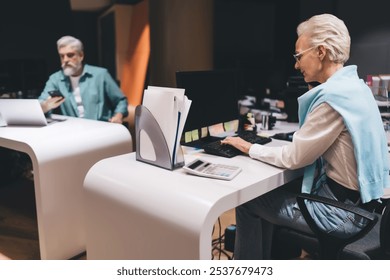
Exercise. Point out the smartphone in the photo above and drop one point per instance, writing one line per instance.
(55, 93)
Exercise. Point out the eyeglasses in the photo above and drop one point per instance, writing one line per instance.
(298, 56)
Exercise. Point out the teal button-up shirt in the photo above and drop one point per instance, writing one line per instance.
(101, 96)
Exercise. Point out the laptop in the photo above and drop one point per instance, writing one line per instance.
(25, 112)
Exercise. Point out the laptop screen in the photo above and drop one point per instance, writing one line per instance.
(24, 112)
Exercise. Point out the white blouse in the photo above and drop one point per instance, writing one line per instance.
(322, 134)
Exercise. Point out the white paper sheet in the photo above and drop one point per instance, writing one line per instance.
(170, 108)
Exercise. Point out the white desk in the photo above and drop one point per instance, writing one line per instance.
(61, 155)
(138, 211)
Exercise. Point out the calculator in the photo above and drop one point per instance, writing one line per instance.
(212, 170)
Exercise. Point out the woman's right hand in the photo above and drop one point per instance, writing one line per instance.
(238, 143)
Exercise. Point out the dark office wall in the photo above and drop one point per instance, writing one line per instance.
(29, 30)
(257, 37)
(260, 35)
(369, 26)
(310, 8)
(244, 39)
(245, 33)
(85, 27)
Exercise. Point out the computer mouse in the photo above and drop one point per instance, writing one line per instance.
(284, 136)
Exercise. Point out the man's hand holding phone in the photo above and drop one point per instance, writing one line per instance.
(55, 100)
(55, 93)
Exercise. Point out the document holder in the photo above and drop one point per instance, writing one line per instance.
(146, 124)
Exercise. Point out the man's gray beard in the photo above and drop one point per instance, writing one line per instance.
(70, 70)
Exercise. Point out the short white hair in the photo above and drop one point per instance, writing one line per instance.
(75, 43)
(329, 31)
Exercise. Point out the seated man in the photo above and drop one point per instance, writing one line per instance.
(88, 91)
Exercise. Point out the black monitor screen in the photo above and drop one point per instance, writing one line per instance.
(214, 96)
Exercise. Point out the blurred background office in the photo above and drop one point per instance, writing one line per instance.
(145, 42)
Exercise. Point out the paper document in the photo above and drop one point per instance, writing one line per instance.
(170, 107)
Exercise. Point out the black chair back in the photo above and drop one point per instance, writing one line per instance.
(330, 244)
(385, 231)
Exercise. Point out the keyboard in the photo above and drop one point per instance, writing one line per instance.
(224, 150)
(198, 144)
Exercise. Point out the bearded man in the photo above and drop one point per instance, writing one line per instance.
(86, 91)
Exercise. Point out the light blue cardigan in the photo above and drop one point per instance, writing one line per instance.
(102, 98)
(353, 100)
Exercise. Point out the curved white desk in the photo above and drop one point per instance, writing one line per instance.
(138, 211)
(61, 154)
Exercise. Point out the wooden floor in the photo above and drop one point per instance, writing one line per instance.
(18, 222)
(218, 248)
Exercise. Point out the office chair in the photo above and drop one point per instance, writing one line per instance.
(331, 245)
(372, 242)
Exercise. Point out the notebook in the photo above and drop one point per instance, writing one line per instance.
(26, 112)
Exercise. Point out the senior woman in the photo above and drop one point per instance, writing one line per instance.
(341, 144)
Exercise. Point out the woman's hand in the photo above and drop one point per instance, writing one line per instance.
(238, 143)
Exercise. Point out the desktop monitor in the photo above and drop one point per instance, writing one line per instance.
(214, 95)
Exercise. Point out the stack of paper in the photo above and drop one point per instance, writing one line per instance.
(170, 108)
